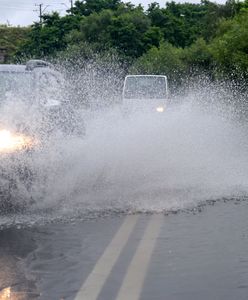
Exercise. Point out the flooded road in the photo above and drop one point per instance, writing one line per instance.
(200, 254)
(124, 211)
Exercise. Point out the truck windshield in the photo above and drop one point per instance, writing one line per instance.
(145, 87)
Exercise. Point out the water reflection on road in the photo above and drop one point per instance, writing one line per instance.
(15, 244)
(200, 255)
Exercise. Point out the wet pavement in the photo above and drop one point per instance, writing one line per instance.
(188, 255)
(14, 247)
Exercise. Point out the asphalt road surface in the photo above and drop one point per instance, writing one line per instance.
(202, 254)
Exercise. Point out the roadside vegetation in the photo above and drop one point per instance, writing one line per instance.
(178, 39)
(11, 38)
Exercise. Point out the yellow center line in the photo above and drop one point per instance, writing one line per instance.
(134, 279)
(95, 281)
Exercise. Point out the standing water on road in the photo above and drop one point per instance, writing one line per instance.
(146, 162)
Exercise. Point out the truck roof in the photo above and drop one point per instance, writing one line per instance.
(30, 66)
(13, 68)
(146, 76)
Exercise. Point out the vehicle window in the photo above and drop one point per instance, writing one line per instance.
(145, 87)
(15, 83)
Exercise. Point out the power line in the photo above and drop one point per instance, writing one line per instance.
(71, 4)
(17, 8)
(28, 3)
(41, 10)
(41, 7)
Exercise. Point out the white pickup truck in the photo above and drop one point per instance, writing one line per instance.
(145, 93)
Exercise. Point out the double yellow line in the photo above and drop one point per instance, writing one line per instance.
(133, 281)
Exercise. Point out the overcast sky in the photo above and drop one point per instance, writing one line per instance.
(22, 12)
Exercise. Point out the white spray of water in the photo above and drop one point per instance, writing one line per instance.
(149, 163)
(141, 163)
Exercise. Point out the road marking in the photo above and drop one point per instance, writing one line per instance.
(134, 279)
(95, 281)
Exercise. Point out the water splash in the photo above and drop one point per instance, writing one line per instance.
(146, 162)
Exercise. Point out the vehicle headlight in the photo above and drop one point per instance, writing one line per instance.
(5, 293)
(160, 109)
(10, 142)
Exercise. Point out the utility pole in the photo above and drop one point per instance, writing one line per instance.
(40, 13)
(71, 2)
(40, 10)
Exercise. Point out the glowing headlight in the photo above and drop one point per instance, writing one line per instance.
(5, 294)
(10, 142)
(160, 109)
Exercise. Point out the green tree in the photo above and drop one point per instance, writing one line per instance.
(94, 28)
(11, 38)
(50, 36)
(198, 57)
(165, 59)
(87, 7)
(129, 31)
(180, 23)
(230, 46)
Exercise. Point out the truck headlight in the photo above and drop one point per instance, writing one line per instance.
(160, 109)
(10, 142)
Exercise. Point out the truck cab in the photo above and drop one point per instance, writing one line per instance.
(36, 80)
(148, 93)
(40, 85)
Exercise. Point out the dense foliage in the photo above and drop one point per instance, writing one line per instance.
(179, 38)
(11, 38)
